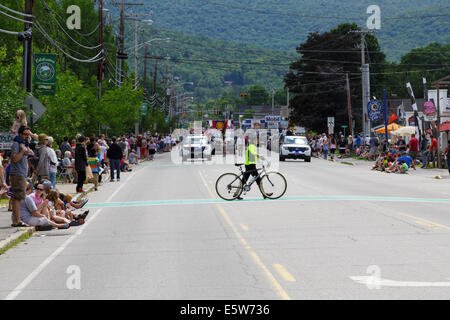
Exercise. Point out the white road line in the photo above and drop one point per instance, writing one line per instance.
(375, 282)
(49, 259)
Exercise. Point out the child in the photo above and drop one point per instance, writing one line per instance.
(94, 164)
(21, 120)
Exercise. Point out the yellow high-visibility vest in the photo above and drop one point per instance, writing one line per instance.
(250, 157)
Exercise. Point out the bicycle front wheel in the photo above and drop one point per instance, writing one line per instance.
(229, 186)
(273, 185)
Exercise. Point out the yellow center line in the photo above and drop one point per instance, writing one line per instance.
(244, 227)
(273, 281)
(284, 273)
(426, 222)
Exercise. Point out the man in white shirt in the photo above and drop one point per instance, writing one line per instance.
(53, 168)
(167, 143)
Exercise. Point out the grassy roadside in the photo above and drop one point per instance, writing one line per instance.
(15, 242)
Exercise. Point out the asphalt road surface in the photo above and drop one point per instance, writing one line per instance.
(340, 232)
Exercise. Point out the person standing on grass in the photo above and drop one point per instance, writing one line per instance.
(447, 155)
(413, 147)
(42, 167)
(80, 163)
(332, 147)
(114, 155)
(94, 164)
(18, 173)
(53, 167)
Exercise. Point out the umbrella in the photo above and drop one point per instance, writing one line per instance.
(404, 131)
(391, 127)
(445, 126)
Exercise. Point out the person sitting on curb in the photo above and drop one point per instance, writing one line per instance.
(67, 199)
(62, 211)
(380, 162)
(402, 164)
(30, 215)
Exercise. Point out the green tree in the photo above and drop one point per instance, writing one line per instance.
(11, 92)
(257, 95)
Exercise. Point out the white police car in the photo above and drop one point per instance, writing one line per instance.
(196, 147)
(295, 147)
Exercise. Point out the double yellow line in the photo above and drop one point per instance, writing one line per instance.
(274, 283)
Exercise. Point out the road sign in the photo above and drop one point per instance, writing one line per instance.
(330, 122)
(38, 108)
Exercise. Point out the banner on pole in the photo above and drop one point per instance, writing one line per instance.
(45, 73)
(375, 110)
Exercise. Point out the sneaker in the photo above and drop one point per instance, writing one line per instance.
(112, 180)
(83, 202)
(118, 179)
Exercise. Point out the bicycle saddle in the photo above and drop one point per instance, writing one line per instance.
(238, 164)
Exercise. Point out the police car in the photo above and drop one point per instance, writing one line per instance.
(196, 147)
(295, 147)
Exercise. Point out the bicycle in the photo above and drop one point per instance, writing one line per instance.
(229, 186)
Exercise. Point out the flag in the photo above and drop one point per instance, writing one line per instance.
(425, 91)
(411, 95)
(392, 118)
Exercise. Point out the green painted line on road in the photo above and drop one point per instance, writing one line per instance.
(295, 198)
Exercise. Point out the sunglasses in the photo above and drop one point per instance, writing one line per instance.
(39, 189)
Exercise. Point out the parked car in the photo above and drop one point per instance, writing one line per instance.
(196, 147)
(295, 147)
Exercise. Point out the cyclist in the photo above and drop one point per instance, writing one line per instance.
(251, 155)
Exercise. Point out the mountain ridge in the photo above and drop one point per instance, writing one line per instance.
(283, 26)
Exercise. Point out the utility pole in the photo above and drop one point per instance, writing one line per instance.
(122, 41)
(27, 48)
(136, 69)
(438, 129)
(349, 105)
(365, 80)
(121, 55)
(100, 42)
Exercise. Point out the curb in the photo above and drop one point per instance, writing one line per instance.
(15, 238)
(24, 233)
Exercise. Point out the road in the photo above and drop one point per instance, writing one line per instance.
(340, 232)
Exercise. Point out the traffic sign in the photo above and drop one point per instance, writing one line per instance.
(38, 108)
(330, 122)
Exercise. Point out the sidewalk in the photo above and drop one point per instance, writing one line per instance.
(433, 173)
(9, 236)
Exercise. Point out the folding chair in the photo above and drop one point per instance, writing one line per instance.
(67, 174)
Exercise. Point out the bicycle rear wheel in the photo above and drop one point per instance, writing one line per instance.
(273, 185)
(229, 186)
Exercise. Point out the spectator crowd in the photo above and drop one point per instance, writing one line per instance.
(397, 156)
(30, 170)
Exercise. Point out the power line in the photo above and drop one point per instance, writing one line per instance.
(79, 33)
(15, 18)
(52, 41)
(62, 28)
(9, 32)
(16, 12)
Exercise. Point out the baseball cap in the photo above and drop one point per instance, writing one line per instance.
(47, 185)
